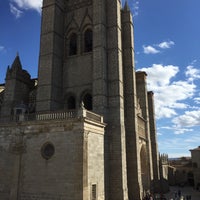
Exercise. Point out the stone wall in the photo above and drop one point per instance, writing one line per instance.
(96, 164)
(6, 163)
(77, 161)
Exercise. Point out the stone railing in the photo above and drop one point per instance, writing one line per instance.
(53, 115)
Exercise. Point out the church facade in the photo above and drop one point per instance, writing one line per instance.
(85, 128)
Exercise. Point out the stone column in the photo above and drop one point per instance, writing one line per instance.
(115, 134)
(153, 136)
(130, 106)
(99, 58)
(142, 95)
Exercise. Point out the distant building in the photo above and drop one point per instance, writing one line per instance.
(85, 129)
(164, 172)
(195, 153)
(180, 171)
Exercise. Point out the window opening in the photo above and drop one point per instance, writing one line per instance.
(47, 151)
(73, 44)
(94, 191)
(71, 103)
(87, 100)
(88, 40)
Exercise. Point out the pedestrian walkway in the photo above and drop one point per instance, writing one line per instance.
(185, 191)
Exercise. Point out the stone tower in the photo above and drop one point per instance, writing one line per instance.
(18, 85)
(87, 55)
(81, 60)
(90, 133)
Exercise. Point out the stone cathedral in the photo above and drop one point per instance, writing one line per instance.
(85, 128)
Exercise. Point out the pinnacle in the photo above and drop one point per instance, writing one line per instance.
(126, 6)
(17, 63)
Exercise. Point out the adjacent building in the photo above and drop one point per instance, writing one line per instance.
(195, 153)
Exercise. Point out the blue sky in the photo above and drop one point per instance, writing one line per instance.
(167, 47)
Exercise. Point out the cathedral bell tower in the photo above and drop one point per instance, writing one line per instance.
(84, 44)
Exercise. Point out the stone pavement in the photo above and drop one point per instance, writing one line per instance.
(184, 191)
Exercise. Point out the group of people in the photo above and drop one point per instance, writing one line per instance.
(150, 197)
(188, 197)
(178, 196)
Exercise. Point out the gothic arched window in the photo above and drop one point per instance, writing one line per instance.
(88, 40)
(73, 44)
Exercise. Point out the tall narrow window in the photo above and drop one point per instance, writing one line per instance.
(88, 40)
(94, 191)
(73, 44)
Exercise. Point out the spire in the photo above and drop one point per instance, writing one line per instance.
(17, 63)
(126, 6)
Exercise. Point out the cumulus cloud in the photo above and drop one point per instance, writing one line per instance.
(29, 4)
(159, 75)
(15, 11)
(197, 100)
(150, 50)
(135, 7)
(177, 130)
(192, 73)
(166, 44)
(17, 7)
(157, 48)
(170, 95)
(188, 119)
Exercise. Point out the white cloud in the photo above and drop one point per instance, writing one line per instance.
(159, 75)
(150, 50)
(177, 130)
(169, 95)
(153, 49)
(197, 100)
(163, 111)
(192, 73)
(15, 11)
(166, 44)
(18, 6)
(29, 4)
(189, 119)
(193, 62)
(135, 8)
